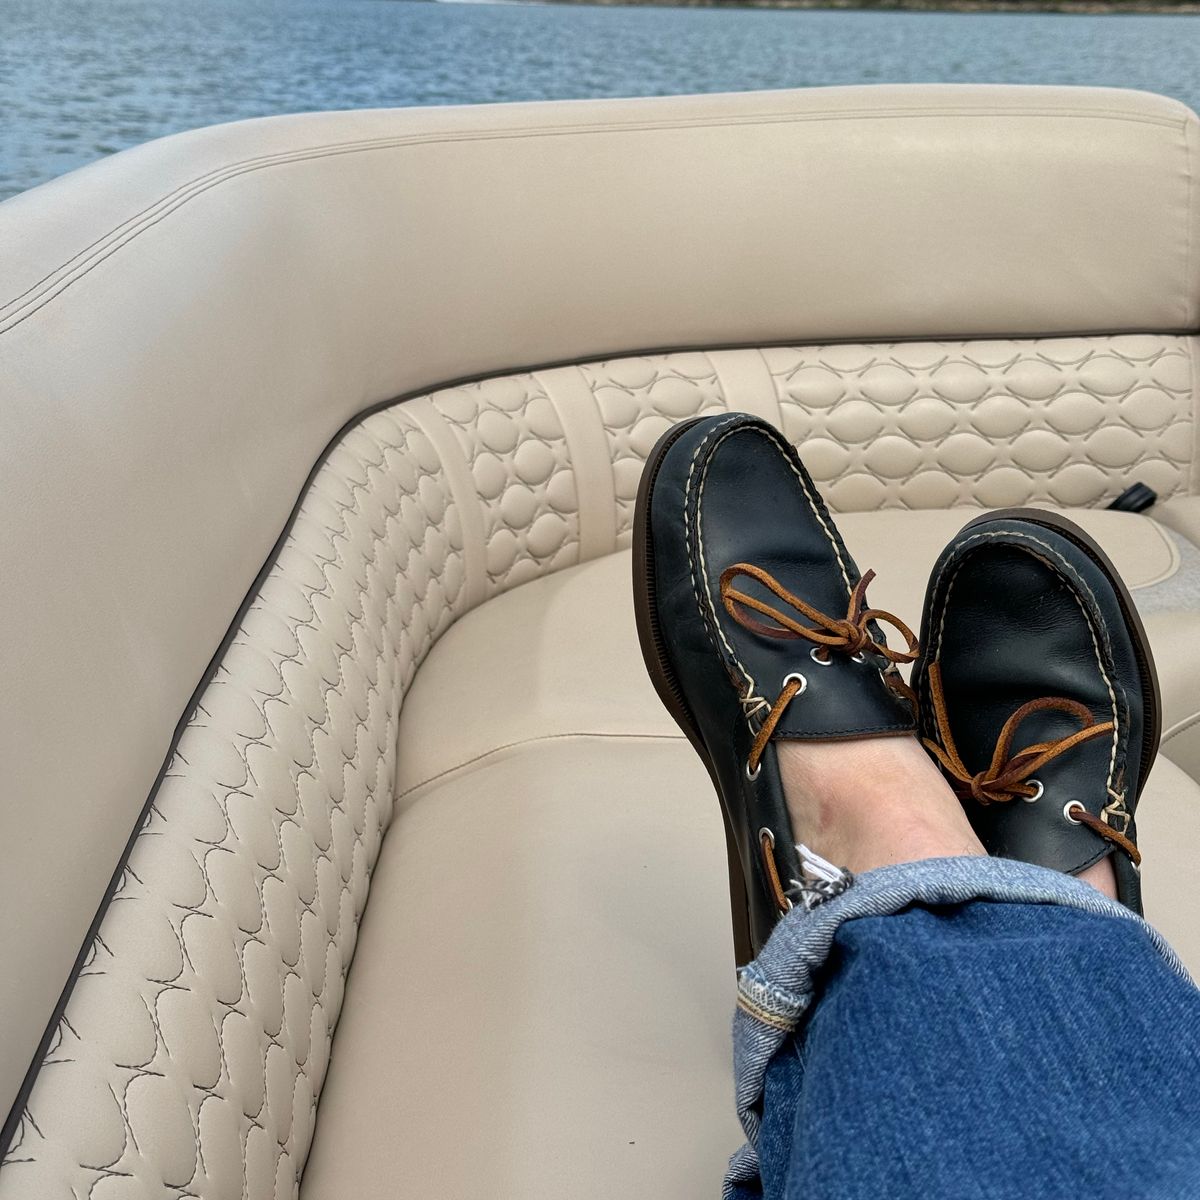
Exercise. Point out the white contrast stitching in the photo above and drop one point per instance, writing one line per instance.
(1066, 569)
(700, 585)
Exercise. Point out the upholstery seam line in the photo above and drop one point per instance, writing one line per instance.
(570, 735)
(187, 191)
(1180, 726)
(1174, 559)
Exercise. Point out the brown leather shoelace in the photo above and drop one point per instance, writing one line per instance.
(849, 634)
(1007, 777)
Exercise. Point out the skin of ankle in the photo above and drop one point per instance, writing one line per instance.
(1101, 876)
(872, 802)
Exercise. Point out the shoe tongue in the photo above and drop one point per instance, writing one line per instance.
(792, 722)
(846, 698)
(840, 694)
(797, 715)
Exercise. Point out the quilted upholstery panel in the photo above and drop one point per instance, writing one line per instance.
(1067, 421)
(192, 1051)
(196, 1042)
(513, 440)
(638, 398)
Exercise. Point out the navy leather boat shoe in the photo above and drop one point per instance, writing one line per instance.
(1038, 694)
(754, 627)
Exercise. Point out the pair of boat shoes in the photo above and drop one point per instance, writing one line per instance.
(1033, 688)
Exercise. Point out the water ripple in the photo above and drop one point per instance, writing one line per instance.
(80, 79)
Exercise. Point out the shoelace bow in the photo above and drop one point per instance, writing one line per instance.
(1007, 776)
(849, 634)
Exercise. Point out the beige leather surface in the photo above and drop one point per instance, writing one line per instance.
(239, 913)
(609, 695)
(549, 462)
(1177, 636)
(541, 1001)
(931, 425)
(578, 956)
(902, 546)
(1181, 513)
(184, 327)
(1169, 834)
(194, 1047)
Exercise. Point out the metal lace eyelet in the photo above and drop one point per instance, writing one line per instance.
(753, 775)
(1070, 804)
(860, 657)
(821, 656)
(796, 677)
(1037, 795)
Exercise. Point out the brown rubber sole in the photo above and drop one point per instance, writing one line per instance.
(658, 667)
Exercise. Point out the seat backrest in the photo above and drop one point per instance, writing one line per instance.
(186, 328)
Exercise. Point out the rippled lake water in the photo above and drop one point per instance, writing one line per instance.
(82, 78)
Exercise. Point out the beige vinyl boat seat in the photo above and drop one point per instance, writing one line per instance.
(426, 894)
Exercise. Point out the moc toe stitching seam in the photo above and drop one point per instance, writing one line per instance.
(1068, 572)
(1013, 639)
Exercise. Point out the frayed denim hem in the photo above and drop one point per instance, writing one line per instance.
(777, 989)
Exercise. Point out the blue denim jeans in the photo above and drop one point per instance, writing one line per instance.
(966, 1028)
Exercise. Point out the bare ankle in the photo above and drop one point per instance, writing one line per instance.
(1101, 876)
(872, 802)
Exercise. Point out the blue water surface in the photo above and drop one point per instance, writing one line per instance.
(82, 78)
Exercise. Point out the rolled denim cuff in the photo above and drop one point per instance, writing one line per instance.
(777, 988)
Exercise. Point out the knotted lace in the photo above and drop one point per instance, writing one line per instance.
(1009, 775)
(850, 634)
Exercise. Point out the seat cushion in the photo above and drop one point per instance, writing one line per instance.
(602, 669)
(541, 997)
(539, 1004)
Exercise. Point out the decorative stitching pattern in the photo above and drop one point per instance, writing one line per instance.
(192, 1050)
(639, 399)
(513, 440)
(1058, 421)
(194, 1047)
